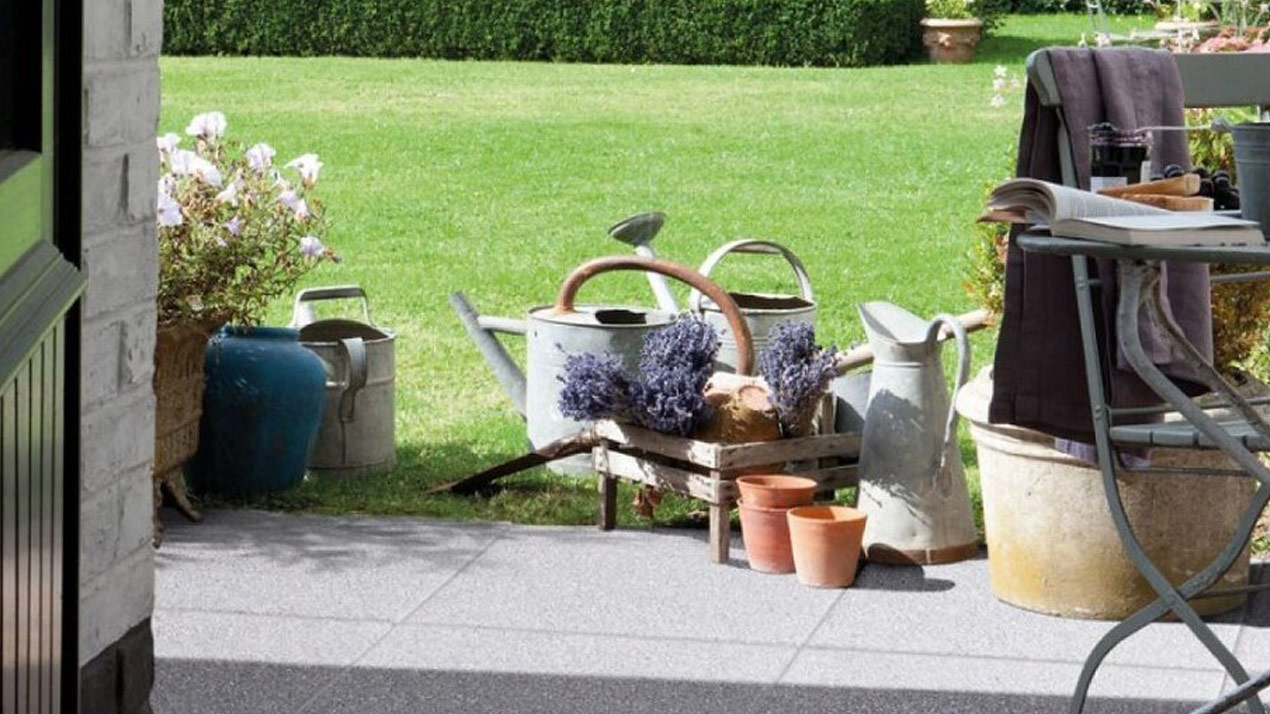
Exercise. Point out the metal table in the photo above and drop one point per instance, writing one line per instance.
(1138, 271)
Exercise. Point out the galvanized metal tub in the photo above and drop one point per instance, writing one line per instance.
(762, 311)
(357, 433)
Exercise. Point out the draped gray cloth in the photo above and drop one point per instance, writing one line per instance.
(1039, 371)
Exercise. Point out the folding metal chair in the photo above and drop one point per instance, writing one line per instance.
(1138, 274)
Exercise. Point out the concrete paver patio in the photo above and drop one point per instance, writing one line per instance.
(261, 612)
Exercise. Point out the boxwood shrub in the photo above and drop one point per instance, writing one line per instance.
(762, 32)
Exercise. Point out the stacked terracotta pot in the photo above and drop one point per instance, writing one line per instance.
(785, 533)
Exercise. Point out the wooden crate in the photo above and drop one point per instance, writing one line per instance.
(705, 471)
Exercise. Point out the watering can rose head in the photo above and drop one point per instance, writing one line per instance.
(235, 229)
(667, 394)
(797, 372)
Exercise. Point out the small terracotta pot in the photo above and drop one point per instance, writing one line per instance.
(776, 491)
(826, 544)
(765, 532)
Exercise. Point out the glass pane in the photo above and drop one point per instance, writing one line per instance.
(20, 74)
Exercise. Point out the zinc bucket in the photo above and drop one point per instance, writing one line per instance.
(357, 432)
(762, 311)
(1252, 166)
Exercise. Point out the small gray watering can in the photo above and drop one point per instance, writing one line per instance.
(554, 332)
(356, 437)
(912, 483)
(762, 311)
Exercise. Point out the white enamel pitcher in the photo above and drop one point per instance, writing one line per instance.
(912, 484)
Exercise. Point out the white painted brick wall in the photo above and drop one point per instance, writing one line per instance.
(121, 110)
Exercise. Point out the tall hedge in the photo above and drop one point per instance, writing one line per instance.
(764, 32)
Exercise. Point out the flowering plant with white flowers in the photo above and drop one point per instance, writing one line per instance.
(236, 229)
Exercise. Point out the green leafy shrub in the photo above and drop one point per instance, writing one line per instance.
(763, 32)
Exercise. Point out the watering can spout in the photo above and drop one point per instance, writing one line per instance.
(481, 330)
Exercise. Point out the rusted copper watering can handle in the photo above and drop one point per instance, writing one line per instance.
(590, 269)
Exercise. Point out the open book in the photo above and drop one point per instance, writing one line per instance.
(1073, 213)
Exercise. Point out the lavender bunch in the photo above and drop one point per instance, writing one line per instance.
(595, 387)
(798, 372)
(667, 394)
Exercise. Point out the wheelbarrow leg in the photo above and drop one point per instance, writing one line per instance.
(608, 489)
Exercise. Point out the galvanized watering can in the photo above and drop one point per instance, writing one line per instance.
(554, 332)
(761, 311)
(912, 483)
(356, 436)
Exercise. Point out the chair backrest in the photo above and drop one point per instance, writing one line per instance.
(1208, 80)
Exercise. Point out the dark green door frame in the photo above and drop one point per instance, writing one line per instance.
(40, 283)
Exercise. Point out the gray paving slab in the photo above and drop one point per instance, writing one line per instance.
(203, 686)
(471, 649)
(260, 612)
(262, 638)
(317, 566)
(950, 610)
(988, 675)
(625, 582)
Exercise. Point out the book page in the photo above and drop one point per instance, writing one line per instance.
(1034, 201)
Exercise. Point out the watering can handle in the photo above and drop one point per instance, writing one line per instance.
(937, 324)
(354, 349)
(752, 245)
(336, 292)
(588, 270)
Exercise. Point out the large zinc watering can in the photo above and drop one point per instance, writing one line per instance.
(556, 331)
(762, 311)
(912, 483)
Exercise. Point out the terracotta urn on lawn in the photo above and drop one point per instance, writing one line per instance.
(951, 40)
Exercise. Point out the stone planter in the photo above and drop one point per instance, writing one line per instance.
(951, 40)
(1052, 547)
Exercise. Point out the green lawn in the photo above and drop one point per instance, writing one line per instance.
(498, 178)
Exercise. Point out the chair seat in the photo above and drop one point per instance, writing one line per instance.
(1183, 435)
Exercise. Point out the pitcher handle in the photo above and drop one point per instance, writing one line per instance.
(963, 374)
(354, 349)
(300, 313)
(752, 245)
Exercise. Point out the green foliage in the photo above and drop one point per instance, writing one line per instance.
(985, 258)
(762, 32)
(1111, 7)
(989, 11)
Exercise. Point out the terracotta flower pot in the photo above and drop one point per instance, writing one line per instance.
(826, 544)
(951, 40)
(776, 491)
(765, 532)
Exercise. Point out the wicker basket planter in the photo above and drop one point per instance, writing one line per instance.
(178, 392)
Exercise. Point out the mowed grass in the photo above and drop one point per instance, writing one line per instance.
(497, 178)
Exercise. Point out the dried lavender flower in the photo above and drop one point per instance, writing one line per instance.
(691, 342)
(668, 394)
(797, 371)
(595, 387)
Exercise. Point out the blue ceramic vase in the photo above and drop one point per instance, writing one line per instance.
(261, 411)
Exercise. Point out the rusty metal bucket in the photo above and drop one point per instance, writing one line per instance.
(762, 311)
(357, 433)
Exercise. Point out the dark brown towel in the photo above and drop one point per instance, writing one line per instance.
(1039, 377)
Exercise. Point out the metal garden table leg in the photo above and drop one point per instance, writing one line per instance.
(1131, 297)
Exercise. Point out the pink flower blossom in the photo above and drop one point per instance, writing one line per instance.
(234, 226)
(308, 166)
(168, 142)
(188, 163)
(207, 126)
(311, 247)
(260, 157)
(167, 211)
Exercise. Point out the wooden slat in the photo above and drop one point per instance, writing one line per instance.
(730, 456)
(52, 481)
(736, 456)
(22, 400)
(9, 540)
(59, 519)
(668, 478)
(702, 453)
(35, 446)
